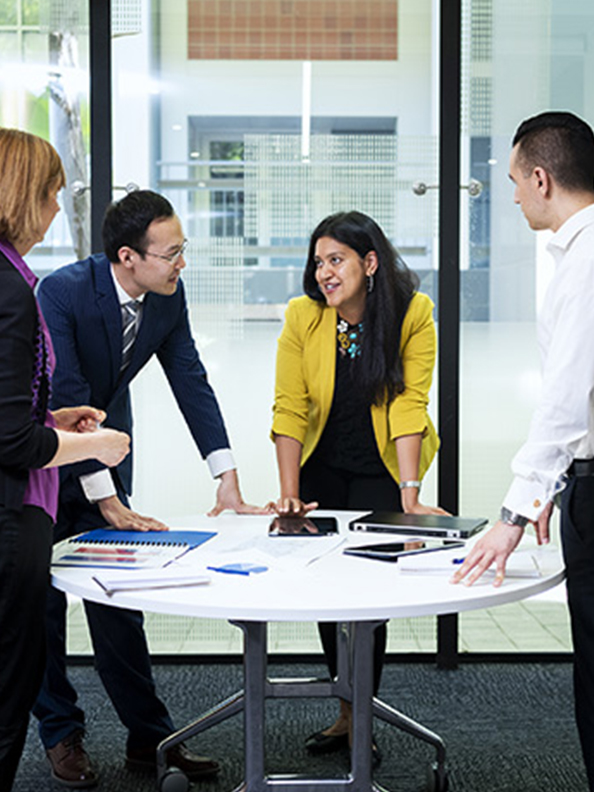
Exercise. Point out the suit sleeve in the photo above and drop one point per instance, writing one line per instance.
(291, 400)
(24, 444)
(69, 385)
(189, 382)
(408, 411)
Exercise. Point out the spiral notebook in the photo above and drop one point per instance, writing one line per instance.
(111, 549)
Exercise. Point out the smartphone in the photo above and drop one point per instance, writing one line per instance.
(392, 551)
(303, 526)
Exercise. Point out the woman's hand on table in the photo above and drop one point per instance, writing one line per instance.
(419, 508)
(292, 507)
(412, 505)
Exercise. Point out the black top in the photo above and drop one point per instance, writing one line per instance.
(24, 442)
(348, 442)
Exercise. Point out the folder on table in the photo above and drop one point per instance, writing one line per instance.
(110, 548)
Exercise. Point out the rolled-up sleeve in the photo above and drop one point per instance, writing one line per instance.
(290, 410)
(408, 411)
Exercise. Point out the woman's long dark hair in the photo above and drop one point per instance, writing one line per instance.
(379, 368)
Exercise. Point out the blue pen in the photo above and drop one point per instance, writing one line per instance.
(228, 570)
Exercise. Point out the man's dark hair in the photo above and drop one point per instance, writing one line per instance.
(379, 371)
(562, 144)
(126, 221)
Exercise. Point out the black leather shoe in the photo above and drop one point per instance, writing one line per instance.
(196, 768)
(320, 743)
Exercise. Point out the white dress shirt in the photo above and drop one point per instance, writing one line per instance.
(562, 427)
(100, 485)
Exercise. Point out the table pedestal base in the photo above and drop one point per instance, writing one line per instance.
(354, 683)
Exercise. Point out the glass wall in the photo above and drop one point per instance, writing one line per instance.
(257, 119)
(44, 89)
(254, 144)
(519, 59)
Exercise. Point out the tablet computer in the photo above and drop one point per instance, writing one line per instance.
(392, 551)
(303, 526)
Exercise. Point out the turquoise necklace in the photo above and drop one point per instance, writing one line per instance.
(349, 338)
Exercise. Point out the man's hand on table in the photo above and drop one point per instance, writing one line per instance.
(229, 497)
(495, 546)
(124, 519)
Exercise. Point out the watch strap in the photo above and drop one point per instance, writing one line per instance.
(511, 518)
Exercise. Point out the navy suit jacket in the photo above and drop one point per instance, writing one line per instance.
(82, 310)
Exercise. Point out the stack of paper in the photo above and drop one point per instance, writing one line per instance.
(133, 580)
(521, 564)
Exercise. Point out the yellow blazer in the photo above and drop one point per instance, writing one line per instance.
(305, 373)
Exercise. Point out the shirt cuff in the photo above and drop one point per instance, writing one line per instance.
(527, 498)
(220, 461)
(98, 485)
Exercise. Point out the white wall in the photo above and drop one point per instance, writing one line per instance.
(207, 88)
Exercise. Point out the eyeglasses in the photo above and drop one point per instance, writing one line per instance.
(173, 259)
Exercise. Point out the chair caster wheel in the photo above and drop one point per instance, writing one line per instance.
(437, 778)
(174, 781)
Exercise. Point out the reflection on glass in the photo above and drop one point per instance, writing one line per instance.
(44, 90)
(232, 103)
(213, 104)
(505, 267)
(219, 100)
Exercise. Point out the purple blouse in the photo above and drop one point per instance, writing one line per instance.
(43, 486)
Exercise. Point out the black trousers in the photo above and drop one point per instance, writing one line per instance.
(25, 550)
(121, 655)
(336, 489)
(577, 533)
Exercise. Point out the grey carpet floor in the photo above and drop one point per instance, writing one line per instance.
(507, 728)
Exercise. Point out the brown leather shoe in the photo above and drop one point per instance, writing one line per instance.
(70, 764)
(196, 768)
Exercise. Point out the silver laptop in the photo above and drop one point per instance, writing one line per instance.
(440, 525)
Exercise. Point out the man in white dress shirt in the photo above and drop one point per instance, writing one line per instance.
(552, 168)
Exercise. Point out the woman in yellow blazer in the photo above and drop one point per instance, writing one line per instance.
(354, 367)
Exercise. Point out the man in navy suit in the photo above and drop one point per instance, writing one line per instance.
(101, 343)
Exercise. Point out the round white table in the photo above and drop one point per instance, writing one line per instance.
(309, 580)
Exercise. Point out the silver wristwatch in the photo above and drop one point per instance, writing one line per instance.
(407, 484)
(511, 518)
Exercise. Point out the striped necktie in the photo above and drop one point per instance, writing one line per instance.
(129, 330)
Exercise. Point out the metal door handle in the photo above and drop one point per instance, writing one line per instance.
(79, 188)
(474, 187)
